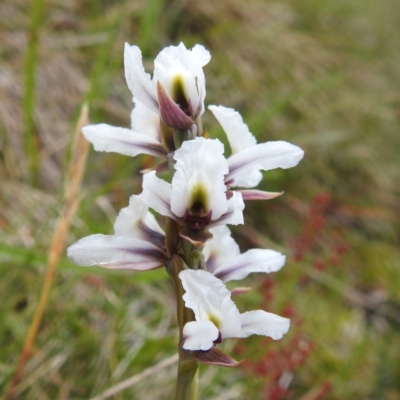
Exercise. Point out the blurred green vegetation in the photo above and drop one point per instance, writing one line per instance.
(323, 75)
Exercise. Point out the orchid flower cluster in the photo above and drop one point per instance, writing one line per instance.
(195, 244)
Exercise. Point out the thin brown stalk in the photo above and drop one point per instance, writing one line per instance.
(73, 181)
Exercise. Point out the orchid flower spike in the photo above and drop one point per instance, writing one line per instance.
(137, 244)
(248, 157)
(196, 198)
(217, 317)
(177, 90)
(224, 260)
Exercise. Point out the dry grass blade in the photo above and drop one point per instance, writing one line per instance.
(73, 181)
(136, 378)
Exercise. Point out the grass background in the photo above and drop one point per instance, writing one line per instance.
(321, 75)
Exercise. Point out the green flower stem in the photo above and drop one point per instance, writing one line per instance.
(188, 374)
(187, 380)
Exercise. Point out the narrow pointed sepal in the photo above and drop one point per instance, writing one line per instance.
(197, 239)
(241, 290)
(215, 356)
(258, 194)
(170, 113)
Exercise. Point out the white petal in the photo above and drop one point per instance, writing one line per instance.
(234, 213)
(157, 194)
(122, 140)
(145, 121)
(179, 56)
(248, 181)
(264, 156)
(130, 219)
(200, 163)
(255, 260)
(210, 300)
(201, 55)
(236, 130)
(116, 252)
(138, 81)
(176, 61)
(221, 248)
(151, 222)
(199, 335)
(263, 323)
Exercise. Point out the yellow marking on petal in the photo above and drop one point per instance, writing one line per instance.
(178, 93)
(198, 203)
(215, 320)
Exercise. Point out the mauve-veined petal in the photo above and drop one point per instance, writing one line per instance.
(234, 213)
(200, 164)
(248, 181)
(210, 300)
(157, 194)
(265, 156)
(116, 252)
(199, 335)
(138, 81)
(236, 130)
(221, 248)
(122, 140)
(260, 322)
(254, 260)
(145, 121)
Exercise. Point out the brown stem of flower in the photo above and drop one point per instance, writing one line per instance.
(186, 386)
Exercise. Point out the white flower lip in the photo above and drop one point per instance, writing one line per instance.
(214, 311)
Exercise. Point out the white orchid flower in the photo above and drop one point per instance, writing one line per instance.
(177, 90)
(197, 195)
(217, 317)
(248, 157)
(138, 242)
(224, 260)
